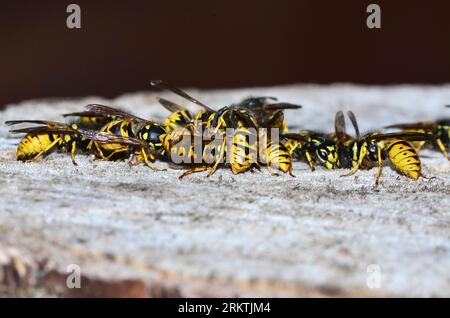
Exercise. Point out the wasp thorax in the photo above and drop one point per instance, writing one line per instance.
(152, 134)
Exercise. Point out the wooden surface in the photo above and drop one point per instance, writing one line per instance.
(136, 232)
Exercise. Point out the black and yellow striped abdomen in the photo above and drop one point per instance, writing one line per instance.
(115, 127)
(243, 151)
(279, 157)
(404, 158)
(34, 143)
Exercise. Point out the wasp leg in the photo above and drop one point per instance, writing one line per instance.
(108, 157)
(89, 146)
(273, 173)
(352, 172)
(147, 162)
(219, 160)
(115, 152)
(45, 150)
(131, 160)
(442, 148)
(362, 155)
(380, 165)
(193, 170)
(99, 152)
(103, 157)
(310, 161)
(290, 171)
(74, 147)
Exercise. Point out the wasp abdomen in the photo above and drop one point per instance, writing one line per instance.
(33, 144)
(278, 156)
(243, 152)
(404, 158)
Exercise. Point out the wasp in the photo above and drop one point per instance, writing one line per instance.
(122, 125)
(439, 129)
(372, 148)
(48, 136)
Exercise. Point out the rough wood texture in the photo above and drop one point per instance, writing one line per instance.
(136, 232)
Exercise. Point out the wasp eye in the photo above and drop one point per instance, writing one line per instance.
(323, 154)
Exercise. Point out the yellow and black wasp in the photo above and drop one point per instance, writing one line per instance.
(374, 147)
(48, 136)
(121, 125)
(439, 129)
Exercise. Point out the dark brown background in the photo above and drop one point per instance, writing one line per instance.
(212, 43)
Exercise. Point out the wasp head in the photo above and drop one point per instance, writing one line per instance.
(327, 153)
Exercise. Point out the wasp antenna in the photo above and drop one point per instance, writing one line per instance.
(352, 117)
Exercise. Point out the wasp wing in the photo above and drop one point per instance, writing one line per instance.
(106, 138)
(256, 102)
(50, 124)
(295, 136)
(281, 106)
(44, 129)
(407, 136)
(104, 110)
(425, 125)
(170, 106)
(84, 114)
(163, 85)
(262, 98)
